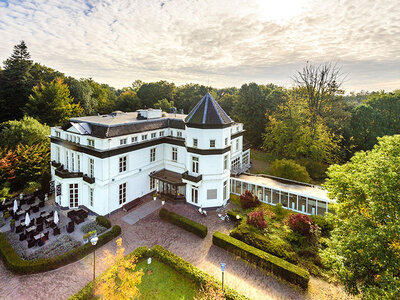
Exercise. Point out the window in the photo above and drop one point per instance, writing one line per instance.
(122, 193)
(195, 164)
(226, 162)
(144, 137)
(72, 162)
(195, 195)
(154, 135)
(122, 164)
(226, 141)
(90, 142)
(74, 138)
(235, 164)
(78, 139)
(134, 139)
(66, 159)
(225, 189)
(122, 141)
(179, 134)
(174, 153)
(212, 143)
(91, 197)
(58, 134)
(172, 132)
(91, 167)
(58, 154)
(211, 194)
(78, 162)
(237, 144)
(73, 195)
(194, 143)
(152, 182)
(152, 154)
(245, 159)
(161, 133)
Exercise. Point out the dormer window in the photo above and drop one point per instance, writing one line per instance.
(122, 141)
(179, 133)
(134, 139)
(212, 143)
(154, 135)
(90, 143)
(58, 134)
(194, 143)
(144, 137)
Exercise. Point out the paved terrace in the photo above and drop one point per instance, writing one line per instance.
(64, 282)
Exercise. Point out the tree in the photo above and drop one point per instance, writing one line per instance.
(51, 103)
(120, 281)
(103, 96)
(364, 249)
(27, 131)
(164, 104)
(287, 168)
(81, 91)
(150, 93)
(15, 83)
(128, 101)
(188, 95)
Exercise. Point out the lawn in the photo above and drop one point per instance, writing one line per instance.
(162, 282)
(261, 161)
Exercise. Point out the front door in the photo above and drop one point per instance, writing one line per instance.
(195, 195)
(73, 195)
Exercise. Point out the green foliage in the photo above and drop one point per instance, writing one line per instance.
(128, 101)
(287, 168)
(325, 224)
(185, 223)
(316, 170)
(263, 260)
(248, 200)
(188, 95)
(81, 91)
(164, 104)
(103, 221)
(104, 96)
(27, 131)
(150, 93)
(31, 187)
(51, 103)
(15, 264)
(364, 249)
(269, 243)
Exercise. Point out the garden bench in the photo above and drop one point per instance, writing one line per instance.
(132, 204)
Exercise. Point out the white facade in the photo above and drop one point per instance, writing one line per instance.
(103, 173)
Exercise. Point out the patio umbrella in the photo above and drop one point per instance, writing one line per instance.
(56, 219)
(15, 206)
(27, 219)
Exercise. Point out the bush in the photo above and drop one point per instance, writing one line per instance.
(177, 263)
(248, 200)
(287, 168)
(325, 225)
(15, 264)
(183, 222)
(233, 216)
(235, 199)
(271, 243)
(103, 221)
(263, 260)
(316, 170)
(256, 218)
(93, 226)
(302, 224)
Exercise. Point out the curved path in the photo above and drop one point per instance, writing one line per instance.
(64, 282)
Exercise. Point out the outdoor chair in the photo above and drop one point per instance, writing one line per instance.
(35, 208)
(31, 243)
(70, 228)
(71, 214)
(19, 229)
(22, 202)
(40, 242)
(41, 204)
(56, 231)
(30, 201)
(39, 220)
(22, 237)
(39, 228)
(52, 224)
(16, 217)
(78, 220)
(46, 236)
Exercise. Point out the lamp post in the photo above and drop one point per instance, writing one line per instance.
(223, 271)
(94, 242)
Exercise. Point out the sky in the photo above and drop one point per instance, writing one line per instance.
(220, 43)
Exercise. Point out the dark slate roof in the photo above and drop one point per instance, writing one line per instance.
(208, 112)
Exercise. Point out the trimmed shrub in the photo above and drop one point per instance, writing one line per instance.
(103, 221)
(15, 264)
(288, 168)
(269, 243)
(256, 218)
(302, 224)
(177, 263)
(235, 199)
(248, 200)
(263, 260)
(183, 222)
(325, 225)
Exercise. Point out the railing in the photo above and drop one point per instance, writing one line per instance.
(55, 164)
(68, 174)
(191, 178)
(88, 179)
(240, 169)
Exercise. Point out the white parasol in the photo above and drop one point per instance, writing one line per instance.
(27, 220)
(56, 219)
(15, 206)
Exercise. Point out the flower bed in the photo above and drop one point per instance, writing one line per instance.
(183, 222)
(175, 262)
(93, 226)
(261, 259)
(15, 263)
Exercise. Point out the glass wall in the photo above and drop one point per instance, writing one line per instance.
(275, 196)
(321, 208)
(284, 199)
(293, 201)
(303, 204)
(267, 195)
(311, 206)
(260, 192)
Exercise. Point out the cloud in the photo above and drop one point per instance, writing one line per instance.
(221, 42)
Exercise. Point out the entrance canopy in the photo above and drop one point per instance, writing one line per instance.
(168, 176)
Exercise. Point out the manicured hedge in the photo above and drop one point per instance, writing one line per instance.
(183, 222)
(16, 264)
(175, 262)
(232, 215)
(103, 221)
(266, 261)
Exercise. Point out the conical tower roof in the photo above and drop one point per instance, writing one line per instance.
(208, 113)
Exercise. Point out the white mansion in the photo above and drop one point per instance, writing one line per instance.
(103, 162)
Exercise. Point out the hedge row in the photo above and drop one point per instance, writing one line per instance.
(266, 261)
(16, 264)
(103, 221)
(183, 222)
(175, 262)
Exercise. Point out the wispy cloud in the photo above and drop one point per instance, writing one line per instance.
(221, 42)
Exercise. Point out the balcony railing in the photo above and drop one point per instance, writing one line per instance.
(191, 178)
(67, 174)
(55, 164)
(88, 179)
(240, 169)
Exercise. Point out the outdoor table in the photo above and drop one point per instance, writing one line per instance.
(45, 215)
(22, 212)
(22, 223)
(31, 228)
(48, 220)
(38, 236)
